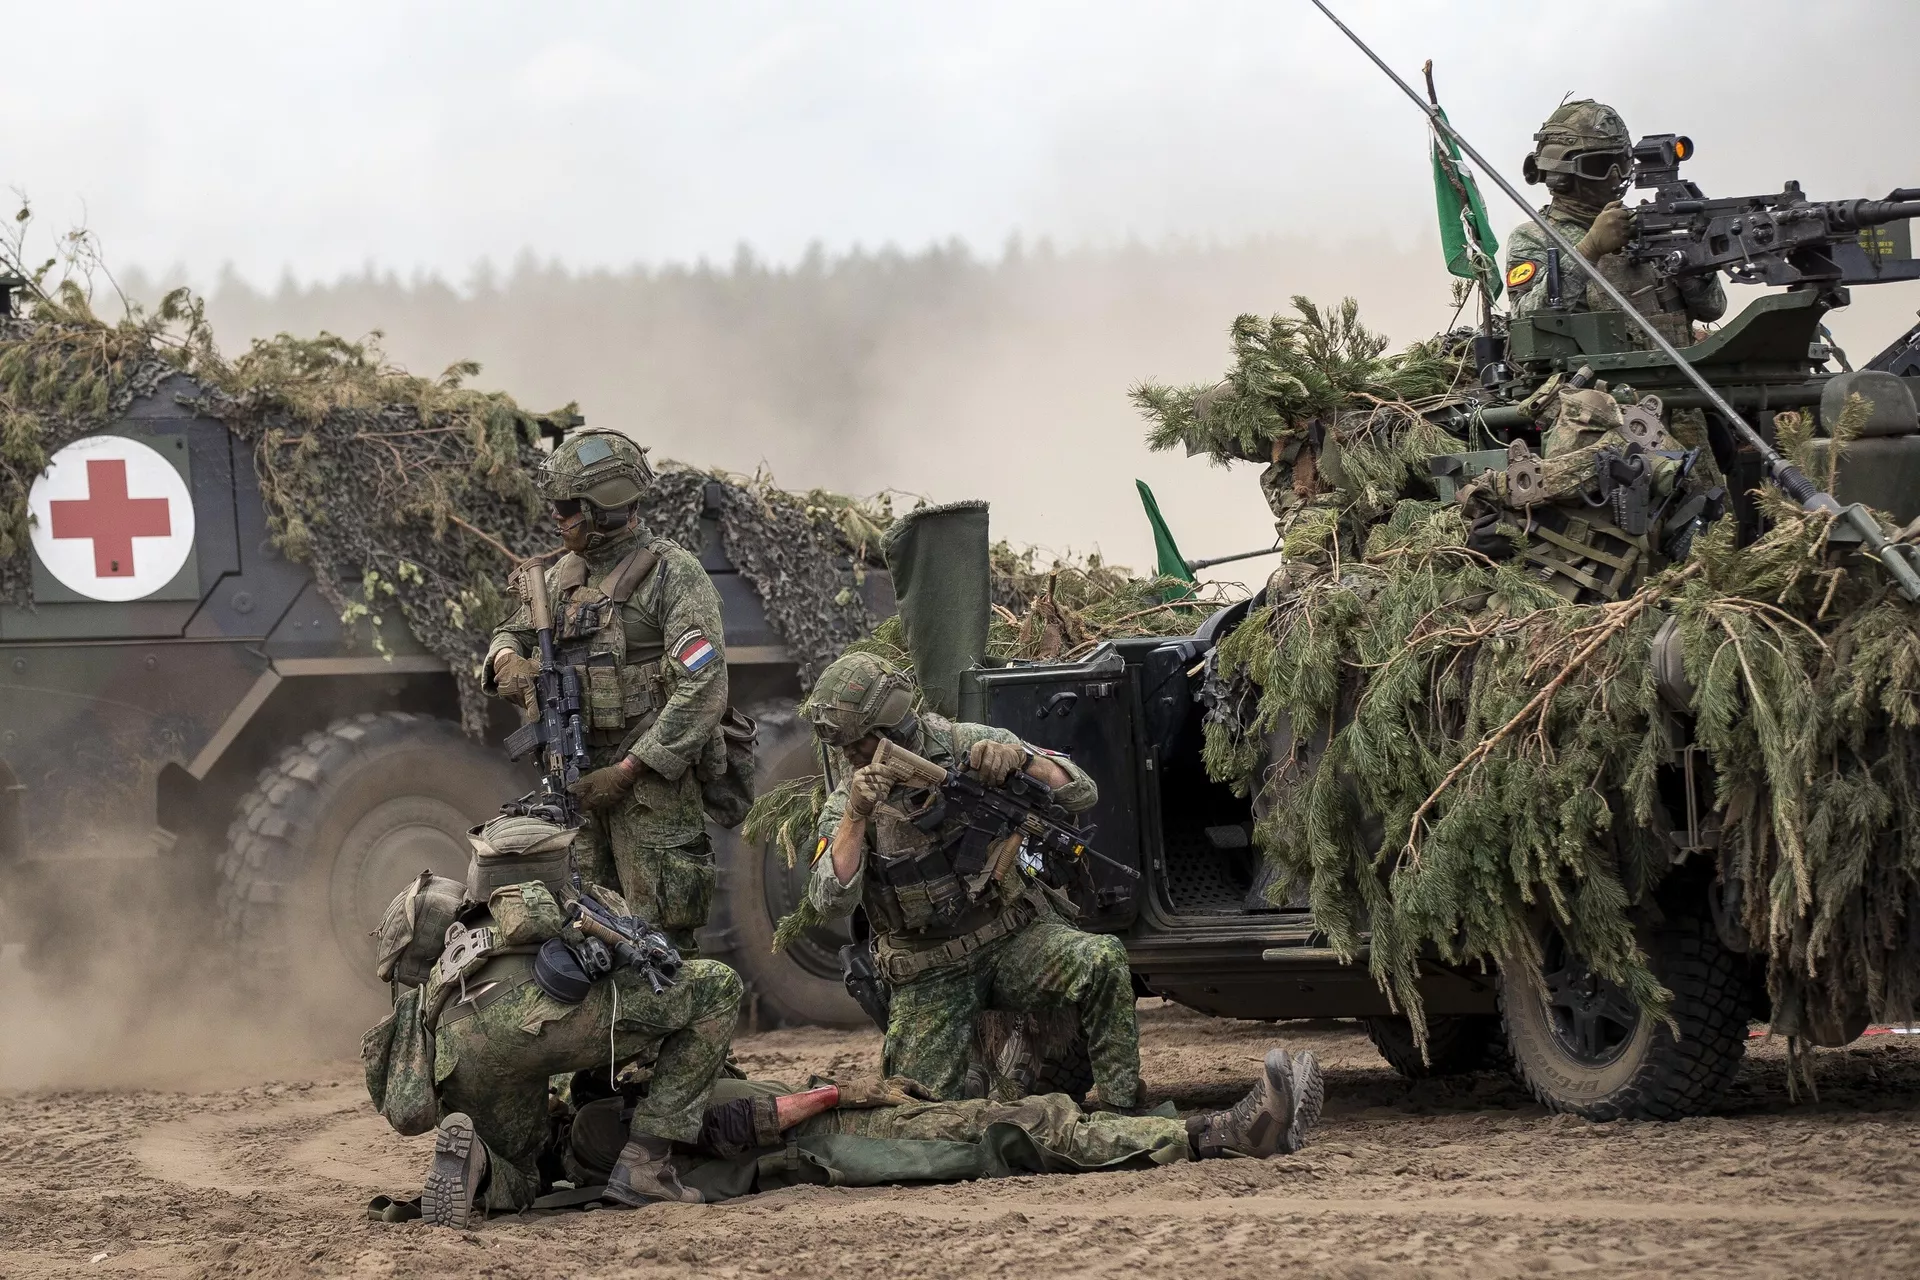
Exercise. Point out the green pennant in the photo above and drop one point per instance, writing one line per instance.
(1463, 214)
(1171, 564)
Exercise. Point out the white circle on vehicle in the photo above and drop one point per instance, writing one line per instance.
(112, 519)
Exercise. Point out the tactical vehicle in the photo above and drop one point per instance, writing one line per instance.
(184, 714)
(1204, 925)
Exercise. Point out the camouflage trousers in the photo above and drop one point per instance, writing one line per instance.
(653, 846)
(494, 1064)
(1073, 1138)
(1047, 965)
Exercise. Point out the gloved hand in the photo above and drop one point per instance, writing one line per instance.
(1486, 537)
(605, 787)
(866, 1092)
(993, 761)
(867, 788)
(514, 676)
(1608, 234)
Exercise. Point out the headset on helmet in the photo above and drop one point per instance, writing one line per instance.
(1581, 141)
(601, 469)
(860, 694)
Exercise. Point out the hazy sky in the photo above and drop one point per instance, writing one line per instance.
(319, 137)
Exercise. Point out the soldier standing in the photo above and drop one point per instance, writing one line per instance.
(946, 951)
(1585, 157)
(639, 620)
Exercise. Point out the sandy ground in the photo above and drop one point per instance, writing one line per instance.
(1458, 1178)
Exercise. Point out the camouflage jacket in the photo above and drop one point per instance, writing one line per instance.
(943, 742)
(1682, 303)
(673, 617)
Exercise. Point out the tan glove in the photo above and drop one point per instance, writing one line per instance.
(1608, 234)
(867, 788)
(866, 1092)
(993, 761)
(514, 676)
(606, 787)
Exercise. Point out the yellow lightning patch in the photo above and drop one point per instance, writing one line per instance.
(819, 848)
(1519, 274)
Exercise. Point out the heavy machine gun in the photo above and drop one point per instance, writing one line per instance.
(1777, 239)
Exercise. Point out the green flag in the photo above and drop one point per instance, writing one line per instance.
(1465, 235)
(1171, 563)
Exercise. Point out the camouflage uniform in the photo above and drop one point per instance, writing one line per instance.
(655, 680)
(1299, 486)
(1009, 950)
(493, 1063)
(1576, 128)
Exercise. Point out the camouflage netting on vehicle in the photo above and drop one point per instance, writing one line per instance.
(405, 495)
(1472, 751)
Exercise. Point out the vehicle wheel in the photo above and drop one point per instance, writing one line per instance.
(1582, 1047)
(339, 824)
(801, 984)
(1456, 1044)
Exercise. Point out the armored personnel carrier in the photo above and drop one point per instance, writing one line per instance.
(185, 716)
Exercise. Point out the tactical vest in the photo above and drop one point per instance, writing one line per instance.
(1652, 296)
(615, 651)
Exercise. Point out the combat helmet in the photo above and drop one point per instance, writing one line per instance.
(1581, 141)
(860, 693)
(413, 932)
(603, 471)
(516, 848)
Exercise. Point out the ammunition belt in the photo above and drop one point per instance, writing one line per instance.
(901, 965)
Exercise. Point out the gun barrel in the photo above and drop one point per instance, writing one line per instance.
(531, 581)
(1851, 215)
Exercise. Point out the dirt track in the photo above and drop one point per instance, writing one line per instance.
(1458, 1178)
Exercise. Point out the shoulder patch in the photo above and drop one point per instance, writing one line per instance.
(693, 650)
(820, 849)
(1519, 273)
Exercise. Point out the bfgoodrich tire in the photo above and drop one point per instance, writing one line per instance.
(336, 826)
(801, 984)
(1582, 1047)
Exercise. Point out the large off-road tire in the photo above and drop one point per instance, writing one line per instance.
(801, 984)
(1456, 1044)
(1583, 1048)
(336, 826)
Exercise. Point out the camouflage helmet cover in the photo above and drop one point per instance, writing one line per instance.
(517, 848)
(858, 694)
(598, 464)
(413, 931)
(1573, 129)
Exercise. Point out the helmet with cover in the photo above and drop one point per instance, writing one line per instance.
(599, 471)
(860, 694)
(413, 932)
(516, 848)
(1583, 146)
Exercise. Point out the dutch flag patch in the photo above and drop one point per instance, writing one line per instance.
(693, 651)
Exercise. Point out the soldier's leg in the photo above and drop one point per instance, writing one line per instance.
(930, 1029)
(1065, 1137)
(593, 853)
(1049, 964)
(666, 873)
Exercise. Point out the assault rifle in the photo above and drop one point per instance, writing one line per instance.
(558, 729)
(610, 942)
(1779, 239)
(998, 819)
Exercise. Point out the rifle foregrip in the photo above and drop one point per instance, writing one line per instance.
(909, 766)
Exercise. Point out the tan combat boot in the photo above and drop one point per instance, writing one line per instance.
(458, 1171)
(1272, 1118)
(644, 1174)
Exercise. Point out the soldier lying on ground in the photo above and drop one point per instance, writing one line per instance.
(758, 1136)
(497, 991)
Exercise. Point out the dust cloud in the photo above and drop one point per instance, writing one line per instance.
(936, 373)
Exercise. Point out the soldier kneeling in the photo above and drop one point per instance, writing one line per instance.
(499, 987)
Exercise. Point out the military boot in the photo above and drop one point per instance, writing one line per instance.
(457, 1174)
(1309, 1095)
(1258, 1125)
(644, 1174)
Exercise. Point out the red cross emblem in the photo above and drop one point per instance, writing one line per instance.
(109, 517)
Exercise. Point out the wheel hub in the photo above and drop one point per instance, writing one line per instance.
(380, 854)
(1592, 1018)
